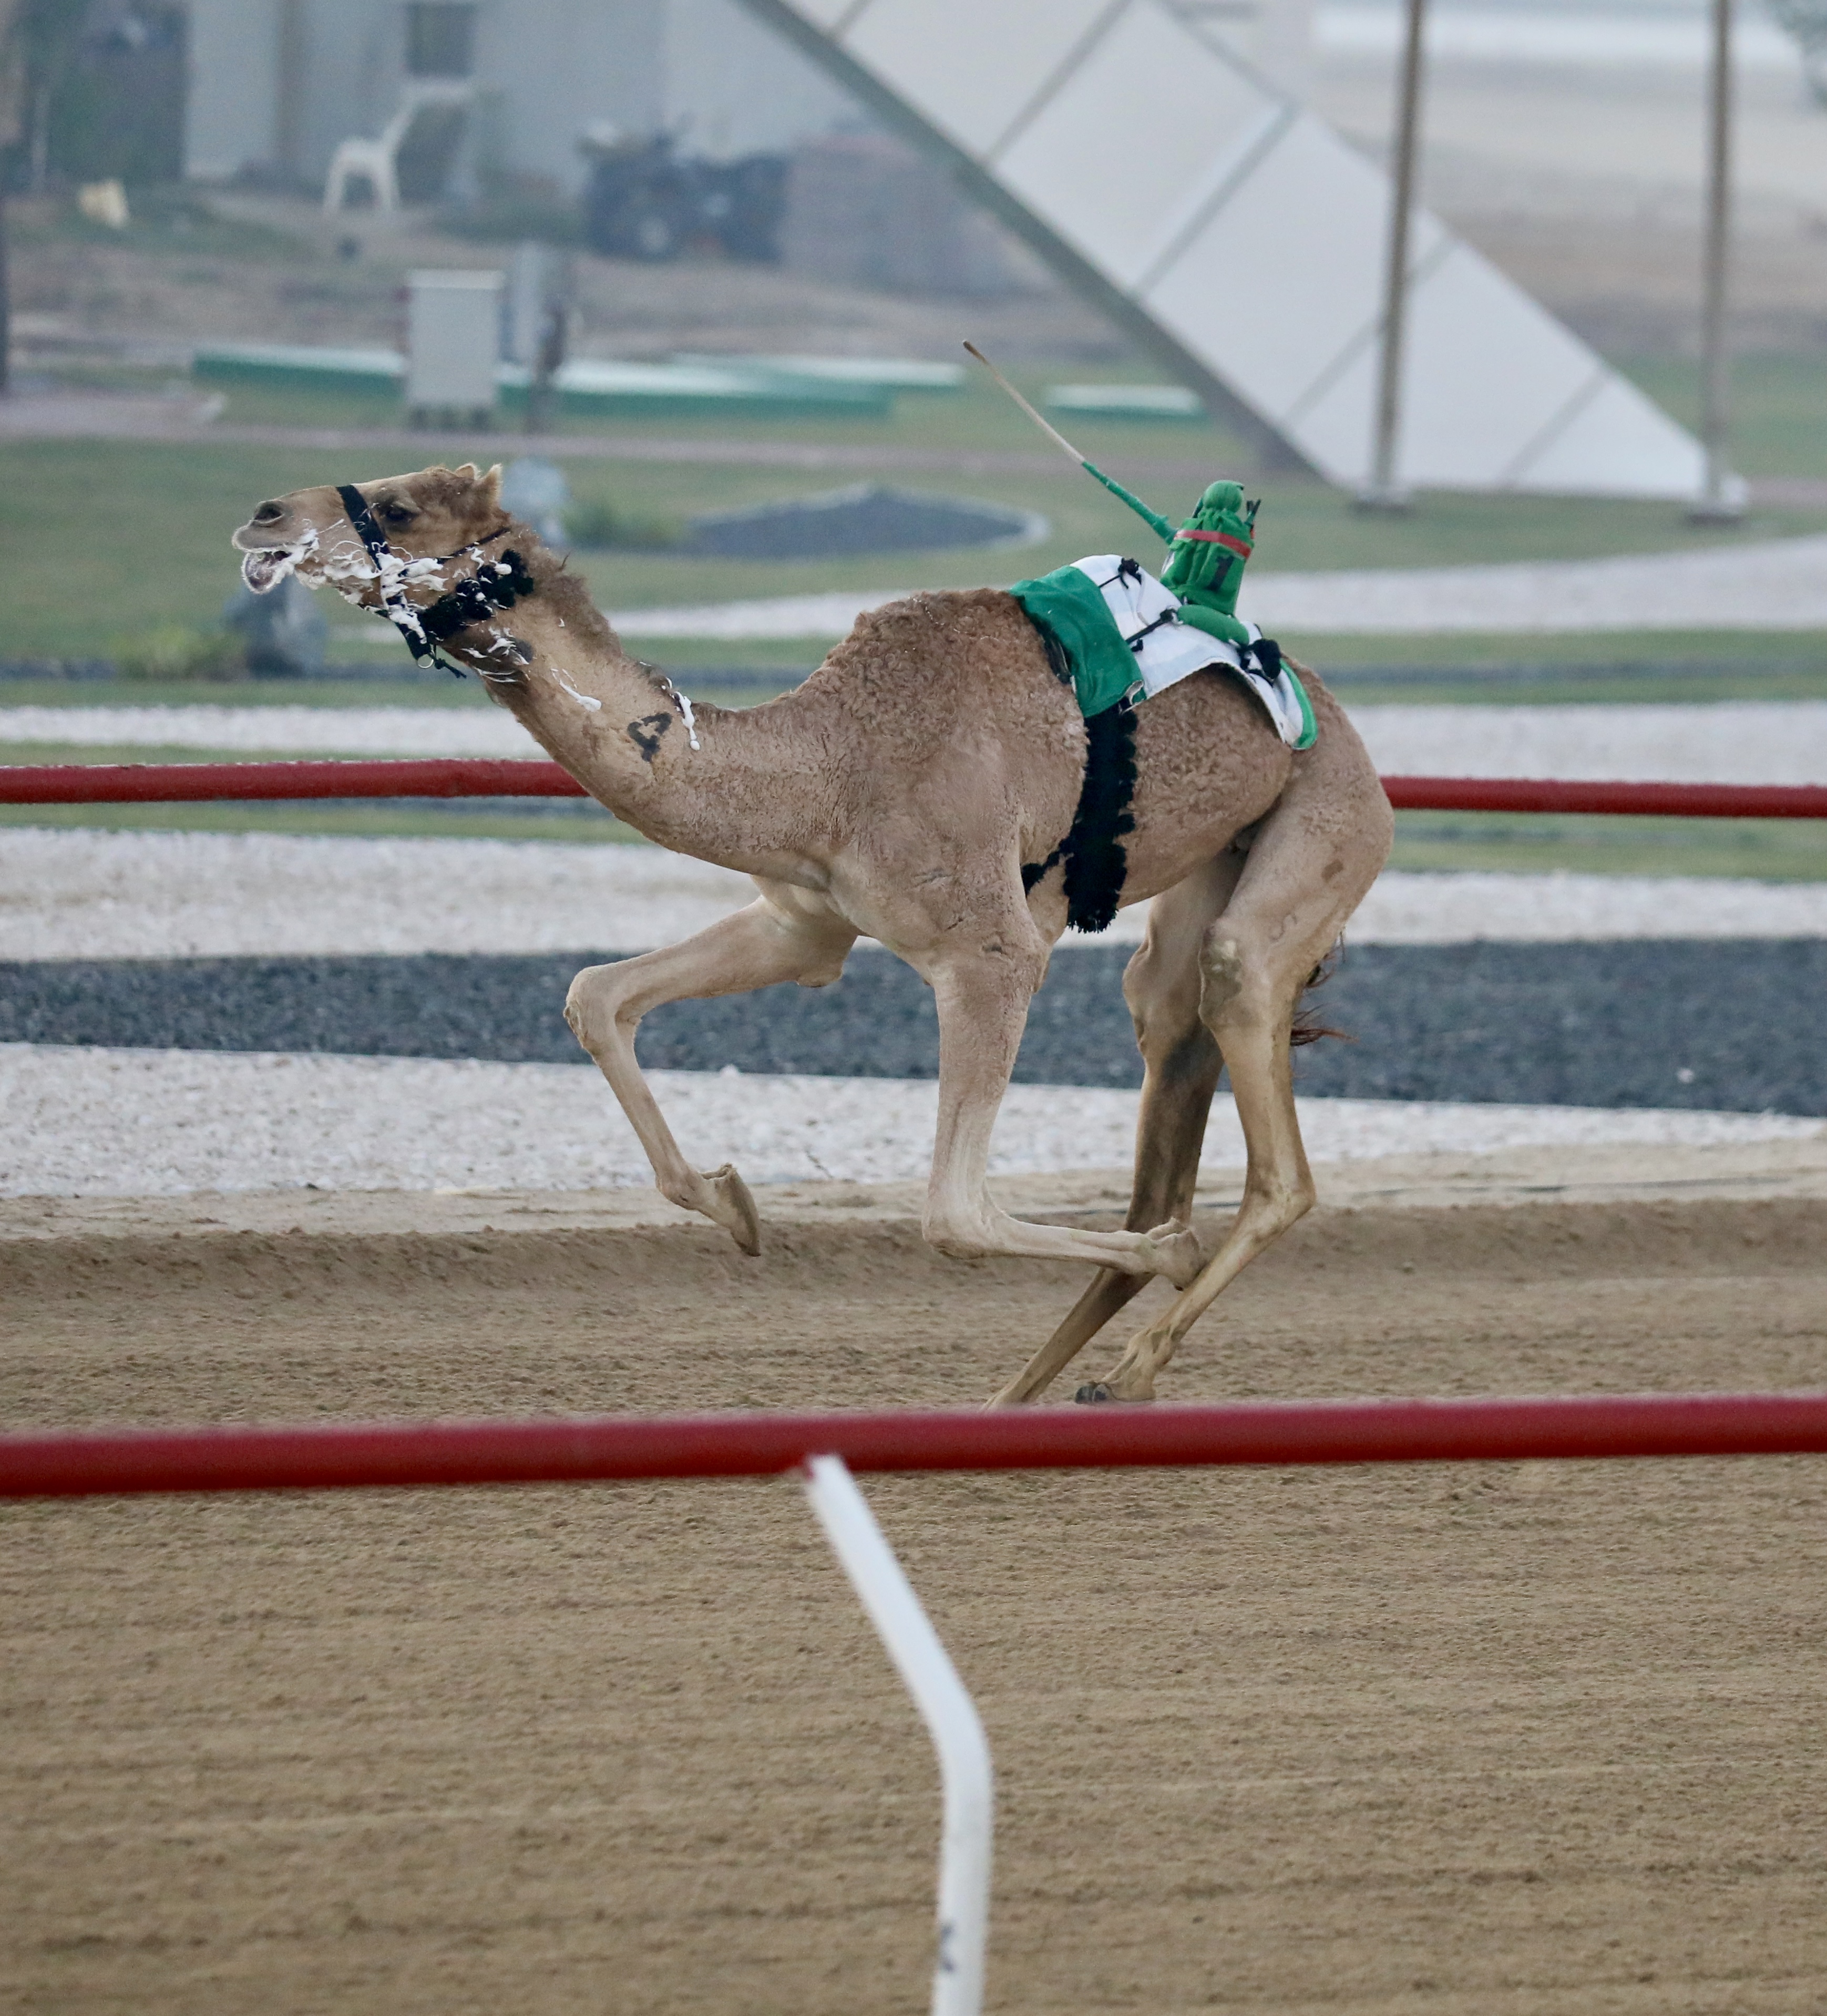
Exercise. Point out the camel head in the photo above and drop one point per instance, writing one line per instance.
(430, 516)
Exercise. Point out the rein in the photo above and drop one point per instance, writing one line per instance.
(470, 602)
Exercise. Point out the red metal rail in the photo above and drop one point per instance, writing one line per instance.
(471, 777)
(186, 783)
(62, 1464)
(1548, 794)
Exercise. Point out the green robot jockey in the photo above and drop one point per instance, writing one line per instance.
(1205, 560)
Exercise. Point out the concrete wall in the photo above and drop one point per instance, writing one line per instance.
(277, 83)
(234, 49)
(733, 87)
(354, 53)
(564, 66)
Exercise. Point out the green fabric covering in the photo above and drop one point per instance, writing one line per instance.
(1070, 604)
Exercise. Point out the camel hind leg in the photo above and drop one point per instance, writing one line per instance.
(1180, 1067)
(757, 947)
(1311, 862)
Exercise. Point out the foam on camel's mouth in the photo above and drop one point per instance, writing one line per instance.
(264, 567)
(264, 570)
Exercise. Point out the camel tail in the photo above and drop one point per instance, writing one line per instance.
(1306, 1029)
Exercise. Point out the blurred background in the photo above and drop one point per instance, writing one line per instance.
(722, 304)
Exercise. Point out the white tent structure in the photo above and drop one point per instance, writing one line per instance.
(1241, 241)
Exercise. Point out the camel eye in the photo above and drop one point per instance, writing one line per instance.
(396, 512)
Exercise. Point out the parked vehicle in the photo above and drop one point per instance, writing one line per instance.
(646, 200)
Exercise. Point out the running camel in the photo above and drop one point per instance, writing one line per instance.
(898, 794)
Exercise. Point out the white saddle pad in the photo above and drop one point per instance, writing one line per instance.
(1170, 650)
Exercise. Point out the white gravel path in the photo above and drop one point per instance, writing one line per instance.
(1770, 742)
(149, 1123)
(1770, 585)
(77, 893)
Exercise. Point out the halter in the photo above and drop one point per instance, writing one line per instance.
(470, 602)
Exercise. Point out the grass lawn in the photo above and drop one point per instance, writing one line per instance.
(1779, 408)
(1760, 850)
(107, 540)
(104, 541)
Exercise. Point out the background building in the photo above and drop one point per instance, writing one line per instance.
(276, 84)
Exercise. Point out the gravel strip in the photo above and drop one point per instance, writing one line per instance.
(281, 731)
(1753, 741)
(144, 1123)
(72, 893)
(1772, 584)
(1733, 1025)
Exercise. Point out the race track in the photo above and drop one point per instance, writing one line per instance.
(1535, 1739)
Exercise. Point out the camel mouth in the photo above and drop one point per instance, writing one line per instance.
(264, 569)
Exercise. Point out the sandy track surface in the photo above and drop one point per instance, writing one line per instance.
(1538, 1739)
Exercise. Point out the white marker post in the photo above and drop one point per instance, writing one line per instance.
(951, 1720)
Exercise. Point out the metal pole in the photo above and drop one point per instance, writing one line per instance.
(1383, 492)
(1720, 500)
(951, 1720)
(5, 301)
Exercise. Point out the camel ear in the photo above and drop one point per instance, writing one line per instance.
(488, 487)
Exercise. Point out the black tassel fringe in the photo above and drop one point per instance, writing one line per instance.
(1096, 864)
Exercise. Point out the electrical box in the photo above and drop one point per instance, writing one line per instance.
(453, 344)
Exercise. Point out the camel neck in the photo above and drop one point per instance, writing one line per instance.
(703, 780)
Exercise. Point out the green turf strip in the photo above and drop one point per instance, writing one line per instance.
(1761, 850)
(107, 540)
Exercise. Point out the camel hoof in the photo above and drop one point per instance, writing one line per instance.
(732, 1207)
(1094, 1392)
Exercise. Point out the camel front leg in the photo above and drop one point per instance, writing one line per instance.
(1181, 1064)
(758, 947)
(982, 1009)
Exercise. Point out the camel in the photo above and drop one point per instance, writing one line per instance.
(897, 795)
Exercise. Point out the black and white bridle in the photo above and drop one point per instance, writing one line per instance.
(496, 585)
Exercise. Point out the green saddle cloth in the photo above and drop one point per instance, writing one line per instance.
(1070, 603)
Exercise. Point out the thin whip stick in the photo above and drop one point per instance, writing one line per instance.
(1157, 523)
(1052, 433)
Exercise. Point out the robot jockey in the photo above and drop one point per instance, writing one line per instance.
(1129, 636)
